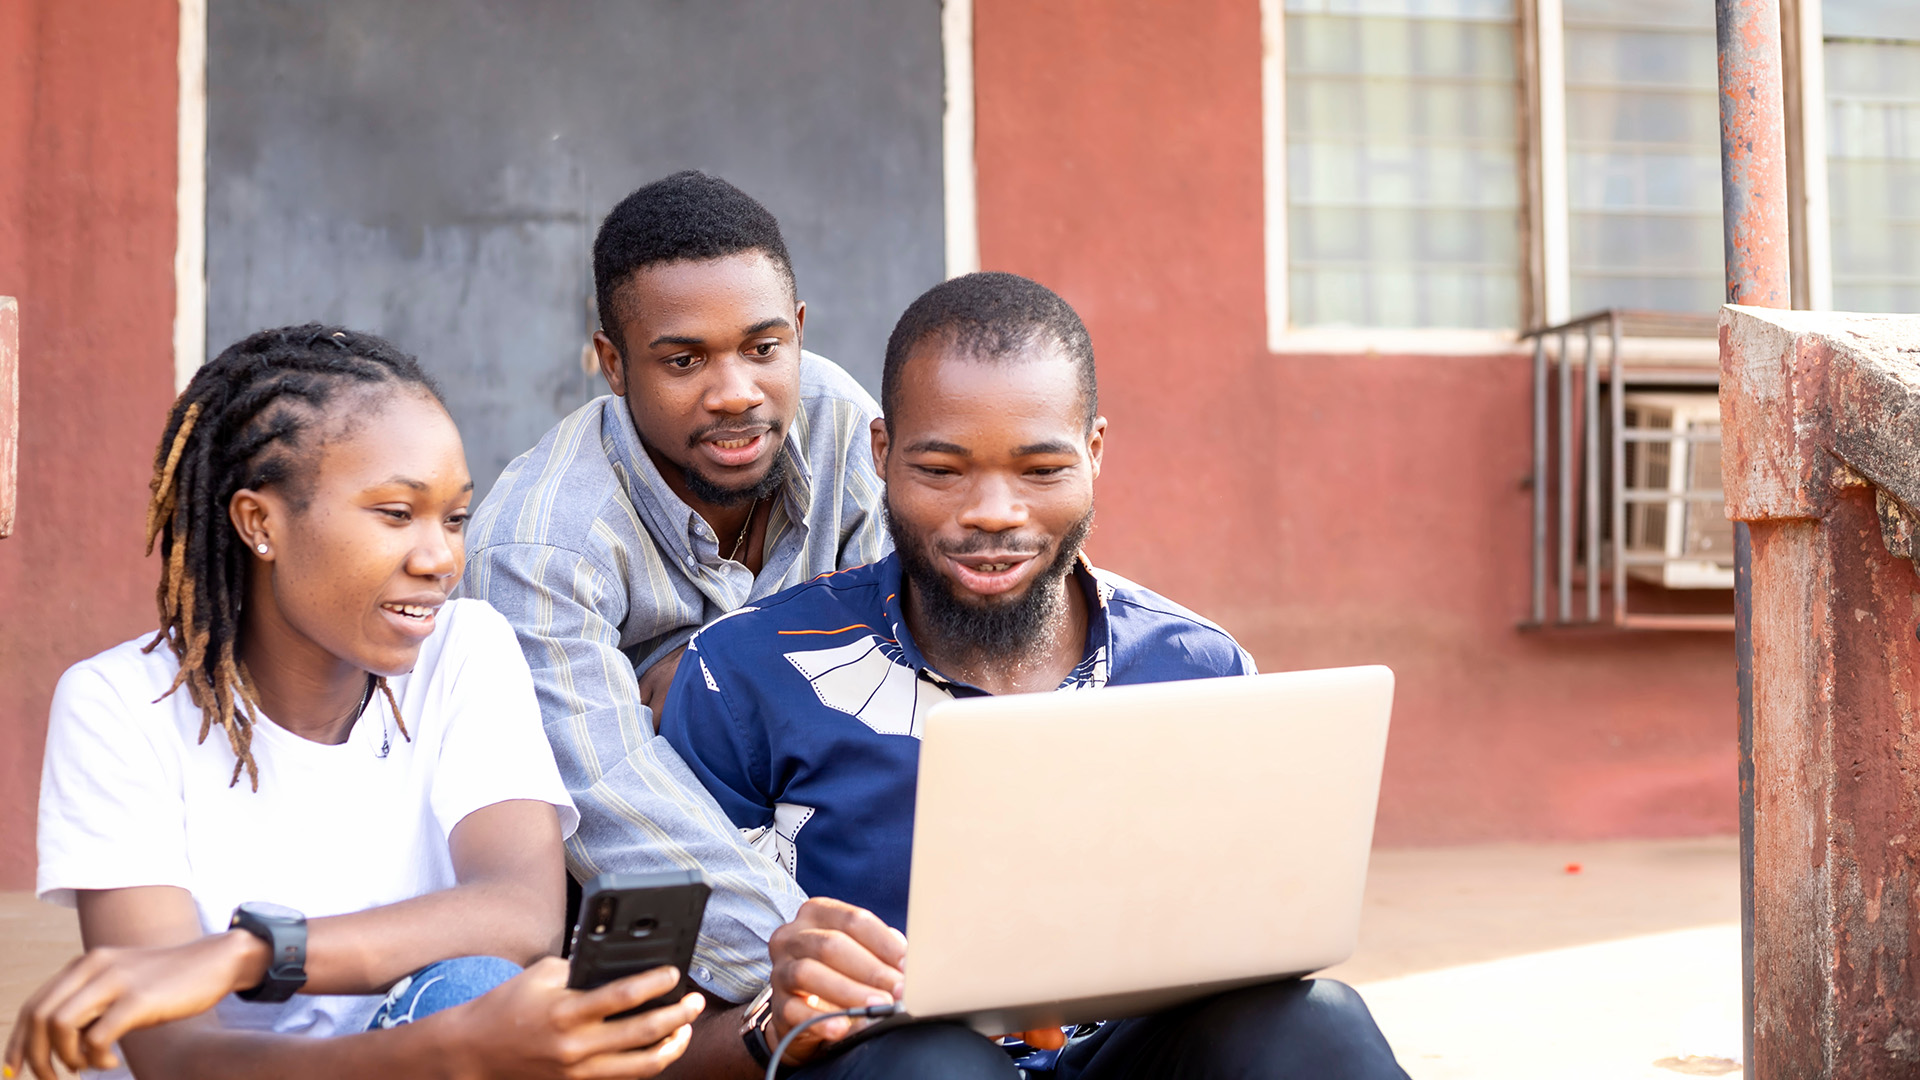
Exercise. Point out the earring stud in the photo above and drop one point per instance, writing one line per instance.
(262, 549)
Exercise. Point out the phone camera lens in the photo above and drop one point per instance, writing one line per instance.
(602, 914)
(643, 927)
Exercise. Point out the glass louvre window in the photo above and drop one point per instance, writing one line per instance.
(1872, 57)
(1403, 197)
(1643, 155)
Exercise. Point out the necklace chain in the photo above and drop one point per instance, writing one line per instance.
(745, 528)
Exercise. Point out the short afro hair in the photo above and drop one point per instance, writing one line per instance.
(687, 216)
(989, 316)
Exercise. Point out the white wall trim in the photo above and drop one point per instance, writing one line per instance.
(1331, 341)
(1551, 55)
(190, 199)
(956, 138)
(1641, 352)
(1273, 166)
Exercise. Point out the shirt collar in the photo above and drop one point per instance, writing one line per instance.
(1095, 661)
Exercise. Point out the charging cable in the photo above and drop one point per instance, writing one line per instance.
(864, 1012)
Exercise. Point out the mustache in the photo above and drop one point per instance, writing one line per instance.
(998, 543)
(745, 427)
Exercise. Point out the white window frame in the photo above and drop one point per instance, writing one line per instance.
(1547, 276)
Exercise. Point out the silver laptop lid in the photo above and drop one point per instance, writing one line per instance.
(1091, 854)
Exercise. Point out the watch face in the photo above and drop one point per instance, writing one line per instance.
(261, 909)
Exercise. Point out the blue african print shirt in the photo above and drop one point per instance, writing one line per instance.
(802, 714)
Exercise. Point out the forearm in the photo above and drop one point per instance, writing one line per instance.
(717, 1052)
(201, 1050)
(510, 902)
(368, 951)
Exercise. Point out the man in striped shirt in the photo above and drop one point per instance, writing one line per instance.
(726, 465)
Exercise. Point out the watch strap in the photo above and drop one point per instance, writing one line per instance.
(753, 1031)
(756, 1039)
(286, 940)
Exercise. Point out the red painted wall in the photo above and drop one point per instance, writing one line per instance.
(87, 177)
(1327, 509)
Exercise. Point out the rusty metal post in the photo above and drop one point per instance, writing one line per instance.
(1754, 214)
(1753, 153)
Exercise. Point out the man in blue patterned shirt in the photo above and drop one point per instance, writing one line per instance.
(802, 712)
(726, 465)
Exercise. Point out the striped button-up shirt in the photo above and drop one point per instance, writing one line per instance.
(603, 571)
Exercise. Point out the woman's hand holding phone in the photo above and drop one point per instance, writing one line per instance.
(533, 1026)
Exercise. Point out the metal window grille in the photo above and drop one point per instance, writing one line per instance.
(1652, 509)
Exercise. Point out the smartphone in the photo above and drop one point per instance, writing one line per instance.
(630, 923)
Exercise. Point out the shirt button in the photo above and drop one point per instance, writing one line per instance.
(705, 975)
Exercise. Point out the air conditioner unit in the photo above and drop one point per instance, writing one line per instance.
(1692, 535)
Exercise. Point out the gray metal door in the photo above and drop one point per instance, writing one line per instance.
(433, 171)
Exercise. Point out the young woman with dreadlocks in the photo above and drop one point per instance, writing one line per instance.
(322, 781)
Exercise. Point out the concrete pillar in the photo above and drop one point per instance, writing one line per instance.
(1821, 455)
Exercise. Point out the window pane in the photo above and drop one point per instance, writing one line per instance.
(1403, 168)
(1897, 20)
(1643, 155)
(1873, 156)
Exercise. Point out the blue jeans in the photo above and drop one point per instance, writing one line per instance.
(1296, 1029)
(441, 986)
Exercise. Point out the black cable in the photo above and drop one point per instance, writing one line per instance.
(865, 1011)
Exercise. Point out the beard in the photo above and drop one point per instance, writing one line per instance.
(1001, 626)
(706, 490)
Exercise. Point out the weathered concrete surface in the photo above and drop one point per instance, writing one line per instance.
(1821, 417)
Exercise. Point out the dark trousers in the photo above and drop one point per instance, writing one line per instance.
(1313, 1029)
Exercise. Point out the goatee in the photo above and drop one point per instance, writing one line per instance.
(995, 628)
(704, 489)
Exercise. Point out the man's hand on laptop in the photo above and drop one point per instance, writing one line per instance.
(835, 956)
(832, 956)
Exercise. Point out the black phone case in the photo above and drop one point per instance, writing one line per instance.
(655, 922)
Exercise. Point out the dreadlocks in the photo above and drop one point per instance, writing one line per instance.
(245, 421)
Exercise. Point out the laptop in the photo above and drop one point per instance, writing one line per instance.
(1098, 854)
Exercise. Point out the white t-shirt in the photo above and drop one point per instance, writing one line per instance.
(130, 796)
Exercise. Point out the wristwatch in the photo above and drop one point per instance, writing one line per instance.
(753, 1027)
(285, 932)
